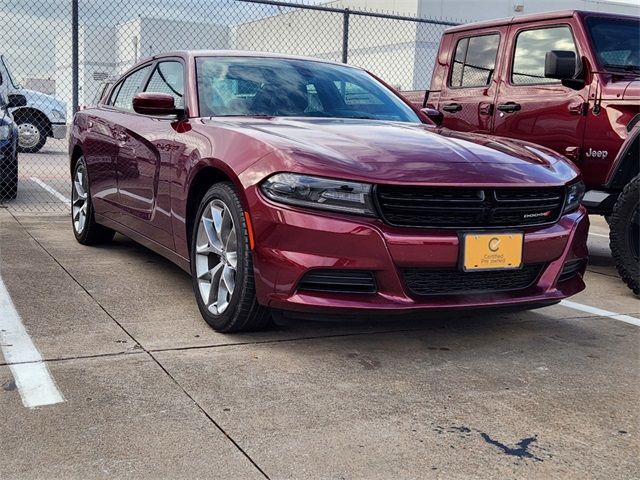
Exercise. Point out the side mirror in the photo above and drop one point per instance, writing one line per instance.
(560, 64)
(16, 101)
(434, 115)
(151, 103)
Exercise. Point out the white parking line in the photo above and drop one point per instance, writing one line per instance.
(601, 313)
(51, 190)
(598, 235)
(31, 375)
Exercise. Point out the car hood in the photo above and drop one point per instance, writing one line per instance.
(632, 91)
(624, 88)
(400, 152)
(42, 100)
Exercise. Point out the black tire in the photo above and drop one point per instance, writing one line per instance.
(9, 183)
(91, 232)
(624, 234)
(243, 313)
(35, 123)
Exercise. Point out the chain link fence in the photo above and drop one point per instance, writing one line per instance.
(57, 56)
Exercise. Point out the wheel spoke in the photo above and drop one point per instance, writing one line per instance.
(80, 189)
(216, 279)
(222, 302)
(214, 243)
(216, 218)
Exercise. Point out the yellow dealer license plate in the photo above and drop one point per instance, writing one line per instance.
(492, 251)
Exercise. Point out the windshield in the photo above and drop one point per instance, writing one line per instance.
(616, 42)
(251, 86)
(8, 70)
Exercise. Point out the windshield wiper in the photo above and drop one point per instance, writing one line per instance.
(627, 67)
(360, 117)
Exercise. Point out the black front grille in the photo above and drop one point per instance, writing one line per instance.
(450, 281)
(338, 281)
(442, 207)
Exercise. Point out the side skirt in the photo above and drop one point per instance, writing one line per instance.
(179, 260)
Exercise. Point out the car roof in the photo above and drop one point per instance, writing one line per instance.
(534, 17)
(190, 54)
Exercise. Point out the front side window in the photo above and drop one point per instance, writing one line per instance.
(474, 61)
(252, 86)
(128, 88)
(168, 78)
(531, 49)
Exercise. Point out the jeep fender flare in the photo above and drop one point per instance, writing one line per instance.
(625, 165)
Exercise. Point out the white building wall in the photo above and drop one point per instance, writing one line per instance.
(96, 50)
(478, 10)
(400, 52)
(144, 37)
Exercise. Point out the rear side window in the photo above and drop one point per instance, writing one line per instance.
(128, 88)
(474, 61)
(168, 78)
(531, 48)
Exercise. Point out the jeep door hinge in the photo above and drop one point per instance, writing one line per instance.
(579, 109)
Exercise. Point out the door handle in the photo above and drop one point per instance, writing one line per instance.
(452, 107)
(509, 107)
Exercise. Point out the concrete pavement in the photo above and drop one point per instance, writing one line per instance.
(151, 392)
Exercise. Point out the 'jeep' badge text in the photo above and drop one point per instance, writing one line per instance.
(597, 153)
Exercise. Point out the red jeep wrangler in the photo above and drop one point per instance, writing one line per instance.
(567, 80)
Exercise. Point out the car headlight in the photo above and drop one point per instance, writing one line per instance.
(320, 193)
(575, 192)
(5, 131)
(58, 116)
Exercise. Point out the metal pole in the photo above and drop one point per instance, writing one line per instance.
(345, 35)
(74, 57)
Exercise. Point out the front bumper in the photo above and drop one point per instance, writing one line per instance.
(598, 202)
(59, 130)
(289, 242)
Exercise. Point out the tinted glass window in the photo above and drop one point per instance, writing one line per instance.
(168, 78)
(616, 42)
(474, 61)
(281, 87)
(128, 89)
(531, 48)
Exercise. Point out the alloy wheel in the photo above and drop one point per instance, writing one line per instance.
(216, 256)
(79, 204)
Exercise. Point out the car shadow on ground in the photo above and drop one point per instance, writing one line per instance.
(489, 324)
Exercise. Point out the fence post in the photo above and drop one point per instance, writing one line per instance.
(345, 35)
(74, 57)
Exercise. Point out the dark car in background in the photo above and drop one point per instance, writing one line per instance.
(8, 149)
(567, 80)
(292, 184)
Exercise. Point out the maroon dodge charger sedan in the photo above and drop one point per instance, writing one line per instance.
(295, 184)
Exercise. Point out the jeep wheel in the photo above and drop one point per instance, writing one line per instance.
(624, 234)
(32, 134)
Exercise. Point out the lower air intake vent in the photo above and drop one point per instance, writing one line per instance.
(570, 270)
(449, 281)
(338, 281)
